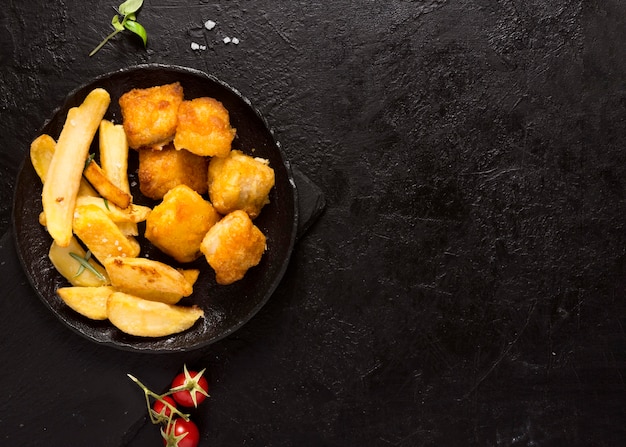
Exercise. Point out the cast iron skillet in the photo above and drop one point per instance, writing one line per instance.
(226, 308)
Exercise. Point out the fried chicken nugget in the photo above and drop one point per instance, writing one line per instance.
(162, 169)
(204, 128)
(240, 182)
(179, 223)
(232, 246)
(150, 114)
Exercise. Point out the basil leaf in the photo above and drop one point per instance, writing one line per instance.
(130, 6)
(116, 23)
(136, 28)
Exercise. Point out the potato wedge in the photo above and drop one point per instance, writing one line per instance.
(191, 275)
(41, 152)
(133, 213)
(148, 279)
(114, 160)
(101, 235)
(70, 267)
(114, 154)
(98, 179)
(66, 167)
(145, 318)
(90, 302)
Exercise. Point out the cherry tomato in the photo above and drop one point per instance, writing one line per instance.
(181, 433)
(162, 411)
(193, 388)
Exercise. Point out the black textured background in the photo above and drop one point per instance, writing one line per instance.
(465, 283)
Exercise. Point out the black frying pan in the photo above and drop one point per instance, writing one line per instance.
(226, 308)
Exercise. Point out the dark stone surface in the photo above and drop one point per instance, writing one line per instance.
(465, 282)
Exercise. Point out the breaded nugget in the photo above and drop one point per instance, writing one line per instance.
(150, 114)
(240, 182)
(162, 169)
(232, 246)
(204, 128)
(179, 223)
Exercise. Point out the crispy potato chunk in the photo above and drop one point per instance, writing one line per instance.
(88, 301)
(204, 128)
(150, 114)
(148, 279)
(161, 170)
(100, 234)
(145, 318)
(178, 224)
(232, 246)
(240, 182)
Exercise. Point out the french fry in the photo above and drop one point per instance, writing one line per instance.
(148, 279)
(41, 151)
(66, 167)
(90, 302)
(70, 266)
(101, 235)
(98, 179)
(145, 318)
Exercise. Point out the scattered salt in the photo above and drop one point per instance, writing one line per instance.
(227, 39)
(209, 24)
(235, 41)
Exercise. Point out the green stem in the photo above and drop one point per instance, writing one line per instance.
(109, 37)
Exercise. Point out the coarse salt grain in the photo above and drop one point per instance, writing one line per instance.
(209, 24)
(235, 41)
(227, 39)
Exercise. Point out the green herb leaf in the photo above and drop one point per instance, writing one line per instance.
(89, 160)
(84, 264)
(128, 10)
(130, 6)
(116, 23)
(136, 28)
(106, 204)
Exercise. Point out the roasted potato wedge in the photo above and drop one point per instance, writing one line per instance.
(66, 167)
(145, 318)
(147, 279)
(71, 268)
(90, 302)
(191, 275)
(98, 179)
(41, 152)
(114, 154)
(133, 213)
(114, 160)
(101, 235)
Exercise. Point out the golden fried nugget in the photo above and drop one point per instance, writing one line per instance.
(232, 246)
(161, 170)
(204, 128)
(240, 182)
(179, 223)
(150, 114)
